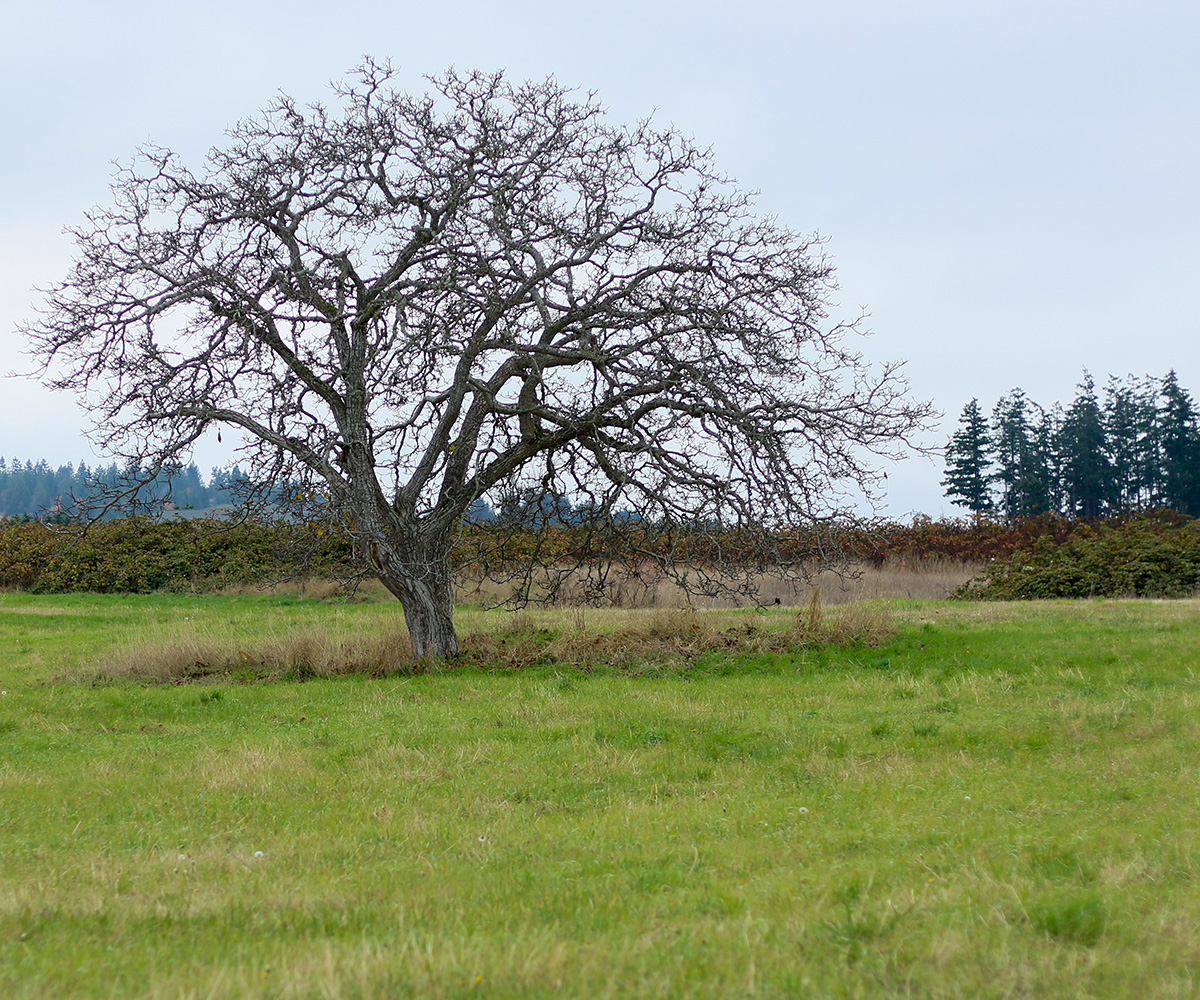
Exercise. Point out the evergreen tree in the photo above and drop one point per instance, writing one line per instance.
(1020, 433)
(188, 491)
(480, 512)
(1179, 441)
(18, 494)
(1047, 425)
(227, 485)
(34, 489)
(1131, 446)
(1084, 473)
(968, 460)
(41, 486)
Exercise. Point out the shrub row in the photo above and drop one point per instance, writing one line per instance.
(978, 539)
(138, 555)
(1151, 555)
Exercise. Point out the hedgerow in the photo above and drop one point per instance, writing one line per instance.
(1144, 555)
(1148, 555)
(139, 555)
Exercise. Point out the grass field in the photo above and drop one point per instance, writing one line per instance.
(1001, 801)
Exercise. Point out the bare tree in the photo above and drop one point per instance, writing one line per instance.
(412, 302)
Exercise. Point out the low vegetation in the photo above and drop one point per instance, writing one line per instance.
(1148, 556)
(1144, 555)
(582, 639)
(996, 800)
(140, 555)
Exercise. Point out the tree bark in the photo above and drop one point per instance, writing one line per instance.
(429, 616)
(426, 593)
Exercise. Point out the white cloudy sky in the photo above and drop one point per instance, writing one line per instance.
(1011, 189)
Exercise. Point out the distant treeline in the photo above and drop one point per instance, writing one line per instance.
(38, 490)
(1135, 446)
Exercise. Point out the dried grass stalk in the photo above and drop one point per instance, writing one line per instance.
(647, 639)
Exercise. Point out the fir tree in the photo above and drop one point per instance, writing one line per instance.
(968, 460)
(1020, 431)
(1131, 445)
(1084, 473)
(1179, 440)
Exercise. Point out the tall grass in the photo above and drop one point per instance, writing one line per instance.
(933, 578)
(581, 637)
(189, 655)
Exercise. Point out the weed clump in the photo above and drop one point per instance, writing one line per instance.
(1078, 917)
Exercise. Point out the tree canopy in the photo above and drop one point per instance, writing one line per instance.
(412, 302)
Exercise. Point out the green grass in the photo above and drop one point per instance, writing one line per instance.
(1002, 801)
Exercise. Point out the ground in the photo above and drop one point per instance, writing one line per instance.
(999, 801)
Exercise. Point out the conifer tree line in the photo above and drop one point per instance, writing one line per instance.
(36, 489)
(1133, 446)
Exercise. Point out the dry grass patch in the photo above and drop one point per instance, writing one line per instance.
(627, 640)
(679, 635)
(645, 586)
(310, 587)
(188, 657)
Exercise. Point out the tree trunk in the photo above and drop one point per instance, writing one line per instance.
(429, 616)
(426, 593)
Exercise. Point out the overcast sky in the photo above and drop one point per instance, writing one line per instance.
(1011, 190)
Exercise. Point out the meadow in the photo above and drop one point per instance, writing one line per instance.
(993, 800)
